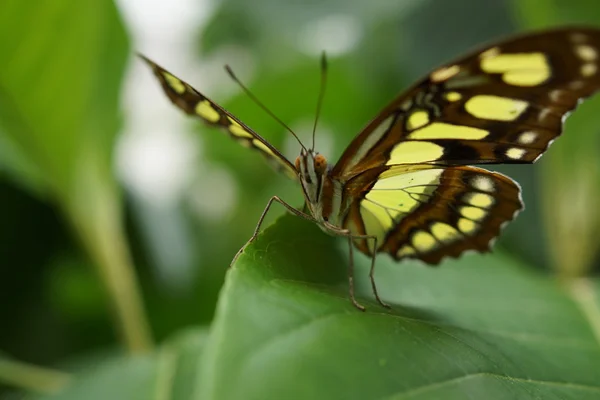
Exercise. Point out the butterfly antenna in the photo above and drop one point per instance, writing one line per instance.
(261, 105)
(321, 95)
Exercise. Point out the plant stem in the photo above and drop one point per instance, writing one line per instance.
(582, 292)
(95, 211)
(32, 378)
(107, 245)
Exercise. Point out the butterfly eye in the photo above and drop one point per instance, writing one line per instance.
(320, 164)
(297, 163)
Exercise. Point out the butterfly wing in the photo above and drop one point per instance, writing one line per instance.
(502, 104)
(428, 212)
(194, 103)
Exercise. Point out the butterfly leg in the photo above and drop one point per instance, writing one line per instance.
(372, 276)
(288, 207)
(350, 236)
(351, 277)
(371, 270)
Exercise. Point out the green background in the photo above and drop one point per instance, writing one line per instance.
(87, 313)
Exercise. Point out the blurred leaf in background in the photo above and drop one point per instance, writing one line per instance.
(489, 327)
(59, 116)
(571, 175)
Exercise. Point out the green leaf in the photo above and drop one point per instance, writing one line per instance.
(60, 84)
(571, 171)
(548, 13)
(59, 115)
(478, 327)
(118, 378)
(170, 373)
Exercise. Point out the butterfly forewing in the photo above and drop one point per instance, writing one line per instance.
(194, 103)
(502, 104)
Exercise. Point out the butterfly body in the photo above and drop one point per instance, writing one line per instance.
(322, 193)
(405, 185)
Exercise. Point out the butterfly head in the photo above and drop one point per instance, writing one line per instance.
(311, 167)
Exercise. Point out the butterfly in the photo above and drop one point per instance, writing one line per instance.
(405, 185)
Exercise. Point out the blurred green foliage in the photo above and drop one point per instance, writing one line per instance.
(497, 326)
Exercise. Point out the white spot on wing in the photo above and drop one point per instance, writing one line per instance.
(444, 73)
(515, 153)
(544, 114)
(556, 94)
(586, 52)
(493, 52)
(588, 69)
(527, 137)
(483, 183)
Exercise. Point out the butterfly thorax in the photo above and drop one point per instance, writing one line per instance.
(321, 192)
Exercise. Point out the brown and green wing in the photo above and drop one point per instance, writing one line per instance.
(194, 103)
(501, 104)
(429, 212)
(405, 174)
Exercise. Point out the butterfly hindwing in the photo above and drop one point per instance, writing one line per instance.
(192, 102)
(502, 104)
(429, 212)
